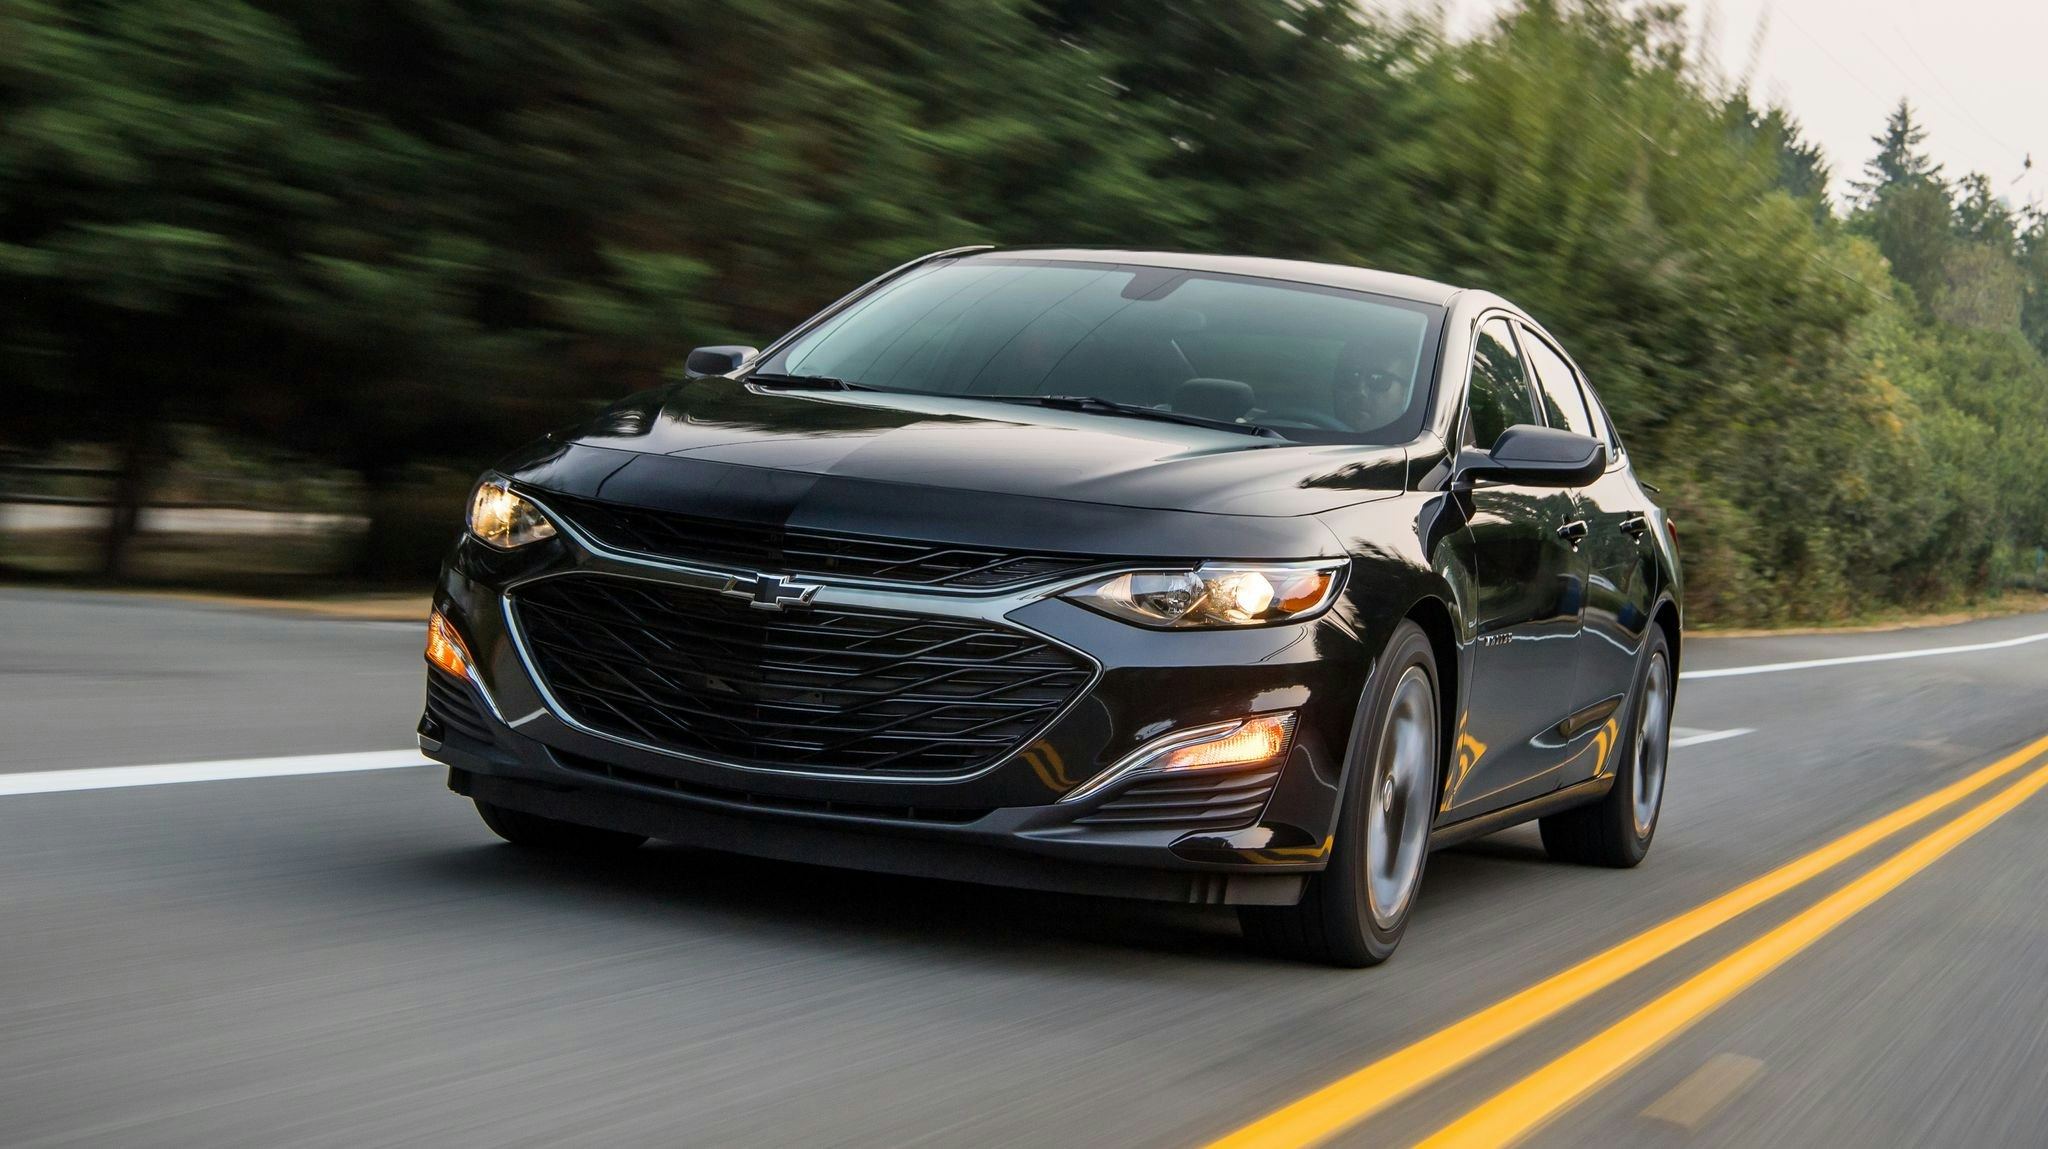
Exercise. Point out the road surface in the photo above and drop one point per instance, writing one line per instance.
(350, 959)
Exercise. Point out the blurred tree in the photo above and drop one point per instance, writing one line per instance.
(1904, 205)
(162, 163)
(1803, 170)
(1981, 216)
(1981, 287)
(1264, 124)
(1901, 155)
(414, 231)
(2032, 255)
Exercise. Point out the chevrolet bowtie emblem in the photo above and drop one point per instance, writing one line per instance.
(771, 592)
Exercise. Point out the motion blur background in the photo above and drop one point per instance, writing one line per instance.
(279, 277)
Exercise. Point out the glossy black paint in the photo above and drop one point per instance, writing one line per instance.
(717, 360)
(1539, 628)
(1538, 457)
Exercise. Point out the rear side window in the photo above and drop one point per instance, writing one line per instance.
(1499, 396)
(1603, 423)
(1563, 404)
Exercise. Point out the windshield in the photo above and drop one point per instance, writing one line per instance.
(1317, 364)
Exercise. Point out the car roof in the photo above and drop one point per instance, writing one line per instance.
(1387, 283)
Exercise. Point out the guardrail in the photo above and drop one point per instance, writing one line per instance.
(27, 505)
(16, 493)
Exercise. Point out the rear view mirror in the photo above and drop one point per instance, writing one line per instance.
(721, 360)
(1538, 457)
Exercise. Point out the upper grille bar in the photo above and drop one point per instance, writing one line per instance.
(823, 554)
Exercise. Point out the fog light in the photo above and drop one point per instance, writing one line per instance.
(445, 648)
(1245, 742)
(1256, 741)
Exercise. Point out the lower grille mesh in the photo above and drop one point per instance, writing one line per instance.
(449, 702)
(830, 690)
(1190, 801)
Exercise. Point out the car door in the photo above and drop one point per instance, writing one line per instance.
(1529, 581)
(1618, 590)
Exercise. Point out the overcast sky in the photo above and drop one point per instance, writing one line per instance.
(1976, 71)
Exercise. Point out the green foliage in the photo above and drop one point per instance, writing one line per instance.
(419, 230)
(1901, 157)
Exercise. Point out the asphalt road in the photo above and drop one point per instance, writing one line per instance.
(352, 960)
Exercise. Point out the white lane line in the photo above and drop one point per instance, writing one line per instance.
(116, 777)
(1699, 737)
(1888, 656)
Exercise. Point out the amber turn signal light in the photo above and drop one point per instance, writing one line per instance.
(445, 648)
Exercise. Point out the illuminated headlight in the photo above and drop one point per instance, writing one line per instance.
(1216, 594)
(501, 518)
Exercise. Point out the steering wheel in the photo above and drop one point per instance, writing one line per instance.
(1304, 417)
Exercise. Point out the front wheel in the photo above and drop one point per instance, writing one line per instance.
(1616, 831)
(1354, 912)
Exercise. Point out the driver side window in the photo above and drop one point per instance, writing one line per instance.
(1498, 396)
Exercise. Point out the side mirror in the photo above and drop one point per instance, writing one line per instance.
(721, 360)
(1537, 457)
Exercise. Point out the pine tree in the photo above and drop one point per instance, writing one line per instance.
(1901, 157)
(1904, 205)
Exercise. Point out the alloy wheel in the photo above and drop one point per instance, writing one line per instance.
(1403, 793)
(1653, 743)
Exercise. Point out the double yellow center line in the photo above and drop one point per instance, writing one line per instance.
(1521, 1108)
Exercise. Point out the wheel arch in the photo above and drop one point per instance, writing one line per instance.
(1666, 617)
(1433, 615)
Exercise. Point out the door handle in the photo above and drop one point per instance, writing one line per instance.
(1573, 532)
(1635, 525)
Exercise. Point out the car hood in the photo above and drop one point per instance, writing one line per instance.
(998, 448)
(963, 470)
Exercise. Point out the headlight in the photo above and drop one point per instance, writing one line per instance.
(501, 518)
(1216, 594)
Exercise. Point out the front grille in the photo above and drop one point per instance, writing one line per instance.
(757, 546)
(449, 702)
(1191, 801)
(824, 690)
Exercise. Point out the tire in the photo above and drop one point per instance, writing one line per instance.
(1346, 917)
(533, 832)
(1617, 830)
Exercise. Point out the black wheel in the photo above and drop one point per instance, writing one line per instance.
(1353, 913)
(537, 833)
(1616, 831)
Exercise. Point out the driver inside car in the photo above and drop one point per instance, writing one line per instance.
(1370, 390)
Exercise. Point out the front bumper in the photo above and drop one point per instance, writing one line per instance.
(507, 741)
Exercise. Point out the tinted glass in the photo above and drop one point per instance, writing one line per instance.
(1603, 423)
(1499, 395)
(1563, 405)
(1315, 363)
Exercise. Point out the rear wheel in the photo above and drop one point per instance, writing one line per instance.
(1616, 831)
(1354, 912)
(535, 832)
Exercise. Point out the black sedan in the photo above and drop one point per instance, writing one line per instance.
(1208, 579)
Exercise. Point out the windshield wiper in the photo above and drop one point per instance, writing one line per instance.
(1112, 407)
(807, 382)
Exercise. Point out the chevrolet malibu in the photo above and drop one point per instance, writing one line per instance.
(1206, 579)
